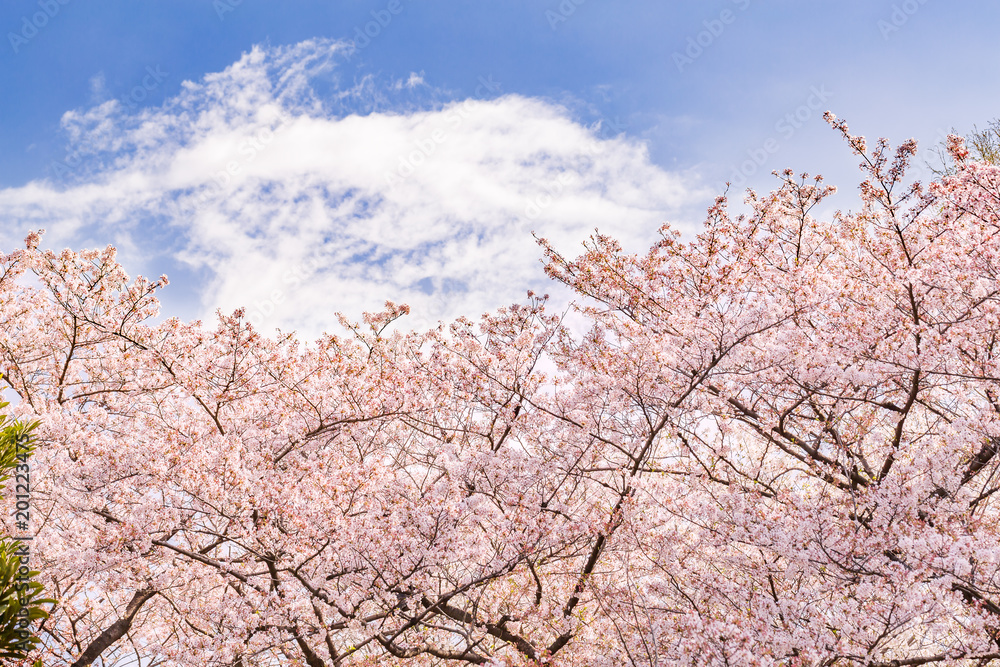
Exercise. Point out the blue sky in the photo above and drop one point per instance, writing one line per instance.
(413, 163)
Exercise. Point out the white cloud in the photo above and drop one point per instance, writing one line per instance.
(411, 82)
(98, 87)
(274, 190)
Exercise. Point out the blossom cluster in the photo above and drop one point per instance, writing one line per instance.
(776, 445)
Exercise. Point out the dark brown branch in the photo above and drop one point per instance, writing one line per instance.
(941, 657)
(495, 629)
(312, 659)
(981, 459)
(115, 631)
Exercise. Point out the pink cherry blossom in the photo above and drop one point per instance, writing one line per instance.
(776, 445)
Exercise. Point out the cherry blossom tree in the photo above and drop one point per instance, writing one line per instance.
(984, 146)
(824, 492)
(776, 445)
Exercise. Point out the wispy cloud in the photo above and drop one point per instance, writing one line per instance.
(288, 198)
(98, 88)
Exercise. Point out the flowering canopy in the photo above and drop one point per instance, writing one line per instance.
(775, 446)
